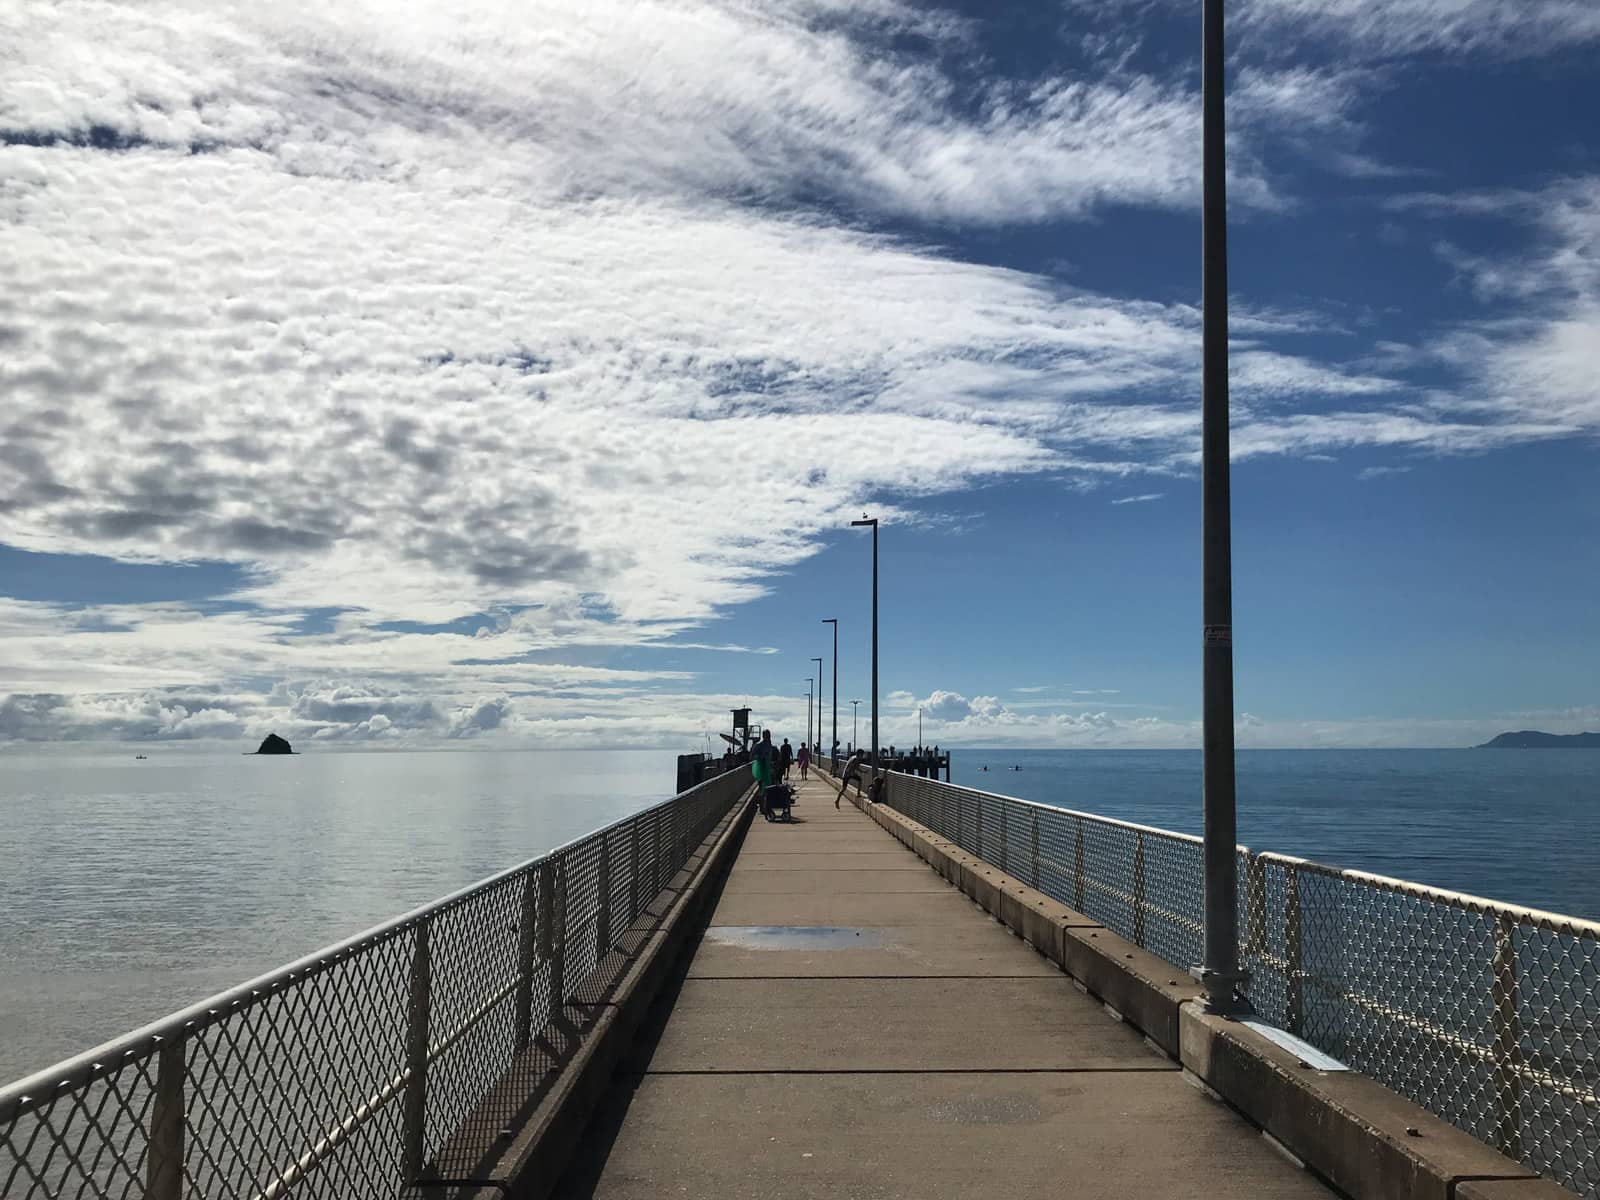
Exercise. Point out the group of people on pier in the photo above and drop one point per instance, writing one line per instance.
(771, 766)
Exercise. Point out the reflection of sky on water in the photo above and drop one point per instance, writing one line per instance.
(135, 888)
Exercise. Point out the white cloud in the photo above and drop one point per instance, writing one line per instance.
(1367, 473)
(1144, 498)
(609, 97)
(1109, 728)
(1540, 364)
(480, 308)
(1395, 28)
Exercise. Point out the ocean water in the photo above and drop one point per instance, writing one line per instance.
(132, 889)
(1515, 825)
(135, 888)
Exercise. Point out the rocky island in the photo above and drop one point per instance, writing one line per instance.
(273, 744)
(1532, 739)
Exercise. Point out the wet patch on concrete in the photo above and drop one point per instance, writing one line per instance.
(798, 937)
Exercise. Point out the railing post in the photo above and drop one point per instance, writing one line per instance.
(977, 837)
(1507, 1039)
(1033, 840)
(555, 936)
(527, 945)
(164, 1152)
(1005, 861)
(602, 940)
(1077, 865)
(1138, 888)
(1294, 1017)
(415, 1120)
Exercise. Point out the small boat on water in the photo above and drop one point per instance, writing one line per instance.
(141, 756)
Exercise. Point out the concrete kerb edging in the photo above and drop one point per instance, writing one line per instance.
(541, 1148)
(1360, 1136)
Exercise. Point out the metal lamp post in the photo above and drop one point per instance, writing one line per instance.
(809, 682)
(834, 744)
(1219, 973)
(855, 732)
(820, 677)
(873, 522)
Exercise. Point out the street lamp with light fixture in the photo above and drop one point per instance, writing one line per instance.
(818, 661)
(834, 745)
(873, 522)
(809, 682)
(855, 732)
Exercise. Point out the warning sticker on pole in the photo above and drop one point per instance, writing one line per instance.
(1219, 635)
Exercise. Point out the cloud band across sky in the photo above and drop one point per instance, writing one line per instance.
(499, 310)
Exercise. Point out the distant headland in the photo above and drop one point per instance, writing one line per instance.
(273, 744)
(1532, 739)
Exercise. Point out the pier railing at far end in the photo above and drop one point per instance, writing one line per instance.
(368, 1065)
(1481, 1012)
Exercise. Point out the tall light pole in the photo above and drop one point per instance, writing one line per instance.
(1219, 973)
(820, 678)
(855, 733)
(873, 522)
(809, 682)
(834, 621)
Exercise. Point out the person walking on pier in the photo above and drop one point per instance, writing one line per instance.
(852, 770)
(785, 758)
(804, 759)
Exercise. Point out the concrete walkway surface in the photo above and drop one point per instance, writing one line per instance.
(851, 1025)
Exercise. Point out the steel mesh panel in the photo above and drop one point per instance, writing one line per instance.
(88, 1140)
(272, 1080)
(619, 850)
(1482, 1013)
(582, 873)
(472, 1006)
(395, 1056)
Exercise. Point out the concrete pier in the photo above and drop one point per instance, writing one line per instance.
(850, 1024)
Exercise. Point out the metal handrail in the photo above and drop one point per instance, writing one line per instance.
(1017, 801)
(163, 1059)
(1466, 901)
(17, 1097)
(1478, 1009)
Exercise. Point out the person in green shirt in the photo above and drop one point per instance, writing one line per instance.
(764, 761)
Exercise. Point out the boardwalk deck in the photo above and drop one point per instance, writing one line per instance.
(850, 1025)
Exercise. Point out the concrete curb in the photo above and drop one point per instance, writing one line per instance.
(1356, 1133)
(1363, 1138)
(542, 1147)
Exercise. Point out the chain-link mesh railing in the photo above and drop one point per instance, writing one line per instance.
(1481, 1012)
(395, 1056)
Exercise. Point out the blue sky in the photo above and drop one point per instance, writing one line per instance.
(508, 375)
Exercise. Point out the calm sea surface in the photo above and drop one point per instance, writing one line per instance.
(134, 888)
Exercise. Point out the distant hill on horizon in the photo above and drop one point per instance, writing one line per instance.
(1532, 739)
